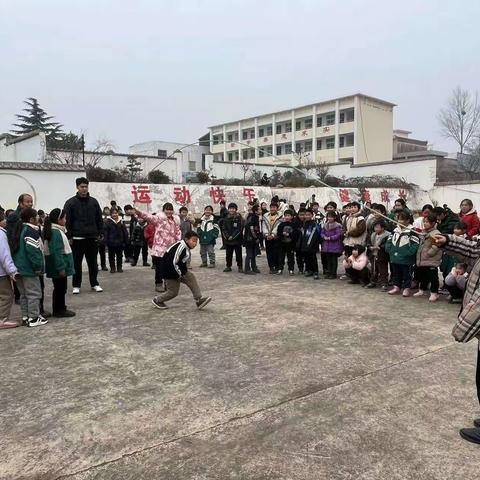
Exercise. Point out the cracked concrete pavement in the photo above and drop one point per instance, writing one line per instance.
(278, 378)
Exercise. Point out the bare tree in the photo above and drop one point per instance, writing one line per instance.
(460, 120)
(246, 167)
(101, 148)
(322, 169)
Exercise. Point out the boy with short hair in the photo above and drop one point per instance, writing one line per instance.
(208, 232)
(232, 233)
(185, 222)
(139, 243)
(288, 235)
(298, 222)
(456, 281)
(175, 272)
(309, 240)
(269, 228)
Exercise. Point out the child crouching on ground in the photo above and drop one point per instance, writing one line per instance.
(356, 266)
(208, 232)
(8, 273)
(456, 281)
(28, 258)
(175, 271)
(58, 260)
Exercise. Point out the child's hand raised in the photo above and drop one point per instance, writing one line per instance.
(439, 240)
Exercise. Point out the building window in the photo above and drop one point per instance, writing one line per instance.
(245, 135)
(298, 147)
(298, 125)
(319, 144)
(288, 148)
(350, 115)
(330, 142)
(308, 146)
(245, 154)
(309, 122)
(342, 118)
(237, 156)
(349, 140)
(230, 156)
(252, 153)
(319, 121)
(252, 133)
(261, 132)
(288, 127)
(330, 118)
(230, 137)
(261, 152)
(278, 128)
(279, 150)
(163, 153)
(269, 130)
(341, 141)
(192, 166)
(270, 150)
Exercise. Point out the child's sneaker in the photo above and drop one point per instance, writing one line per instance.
(291, 272)
(203, 265)
(212, 265)
(384, 288)
(76, 290)
(420, 293)
(160, 305)
(227, 269)
(370, 285)
(42, 320)
(433, 297)
(25, 321)
(146, 264)
(98, 288)
(280, 272)
(39, 321)
(203, 302)
(256, 270)
(394, 291)
(316, 277)
(240, 270)
(407, 292)
(344, 277)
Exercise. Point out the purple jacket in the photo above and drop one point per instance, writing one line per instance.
(334, 233)
(7, 267)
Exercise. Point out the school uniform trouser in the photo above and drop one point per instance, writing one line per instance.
(428, 276)
(42, 286)
(324, 259)
(229, 255)
(172, 286)
(158, 262)
(87, 248)
(332, 263)
(272, 248)
(115, 255)
(300, 260)
(30, 295)
(128, 250)
(251, 257)
(58, 295)
(401, 275)
(358, 275)
(6, 298)
(136, 253)
(207, 252)
(311, 262)
(290, 254)
(103, 256)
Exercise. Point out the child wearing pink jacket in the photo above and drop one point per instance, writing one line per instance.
(356, 266)
(167, 232)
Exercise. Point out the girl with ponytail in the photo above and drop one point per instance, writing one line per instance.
(58, 260)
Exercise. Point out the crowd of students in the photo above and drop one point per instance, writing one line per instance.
(391, 251)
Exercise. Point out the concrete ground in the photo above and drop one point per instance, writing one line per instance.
(278, 378)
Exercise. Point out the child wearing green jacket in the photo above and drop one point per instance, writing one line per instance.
(26, 247)
(58, 260)
(208, 231)
(402, 248)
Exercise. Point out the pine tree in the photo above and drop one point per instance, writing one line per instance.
(36, 119)
(133, 167)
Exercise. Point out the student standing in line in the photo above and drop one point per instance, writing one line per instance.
(269, 227)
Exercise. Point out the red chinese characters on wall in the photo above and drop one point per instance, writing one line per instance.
(402, 194)
(217, 194)
(385, 196)
(344, 195)
(141, 194)
(182, 195)
(249, 192)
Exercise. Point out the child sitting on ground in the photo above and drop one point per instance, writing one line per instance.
(175, 272)
(456, 281)
(208, 232)
(356, 266)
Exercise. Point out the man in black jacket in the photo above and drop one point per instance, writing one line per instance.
(175, 271)
(84, 228)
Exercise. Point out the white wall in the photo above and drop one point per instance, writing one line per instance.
(420, 172)
(452, 195)
(28, 150)
(234, 169)
(49, 189)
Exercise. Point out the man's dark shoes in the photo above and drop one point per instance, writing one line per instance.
(64, 314)
(471, 434)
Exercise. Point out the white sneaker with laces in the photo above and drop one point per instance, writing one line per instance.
(97, 288)
(75, 291)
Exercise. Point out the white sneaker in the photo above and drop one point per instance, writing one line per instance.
(97, 288)
(420, 293)
(407, 292)
(394, 291)
(433, 297)
(37, 322)
(76, 290)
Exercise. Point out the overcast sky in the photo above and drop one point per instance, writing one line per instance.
(134, 71)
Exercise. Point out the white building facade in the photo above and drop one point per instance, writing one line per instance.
(356, 128)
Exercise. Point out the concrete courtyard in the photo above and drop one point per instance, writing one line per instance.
(278, 378)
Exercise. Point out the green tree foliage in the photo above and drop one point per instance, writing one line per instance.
(133, 167)
(157, 176)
